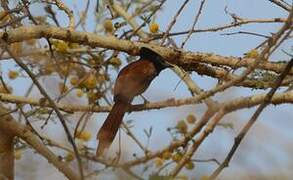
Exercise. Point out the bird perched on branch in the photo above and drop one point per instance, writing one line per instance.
(132, 80)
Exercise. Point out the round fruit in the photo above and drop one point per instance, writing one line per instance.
(177, 157)
(191, 119)
(69, 157)
(154, 27)
(189, 165)
(181, 126)
(74, 81)
(13, 74)
(84, 135)
(90, 82)
(167, 155)
(108, 25)
(115, 61)
(79, 92)
(158, 162)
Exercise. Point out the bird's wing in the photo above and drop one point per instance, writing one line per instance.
(134, 79)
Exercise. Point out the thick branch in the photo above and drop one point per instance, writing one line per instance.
(181, 58)
(6, 153)
(238, 103)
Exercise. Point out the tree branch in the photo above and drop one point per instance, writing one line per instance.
(187, 59)
(9, 125)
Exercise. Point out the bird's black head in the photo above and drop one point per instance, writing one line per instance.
(157, 59)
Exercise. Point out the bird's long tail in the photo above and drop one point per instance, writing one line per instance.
(110, 127)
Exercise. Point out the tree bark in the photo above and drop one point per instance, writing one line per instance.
(6, 151)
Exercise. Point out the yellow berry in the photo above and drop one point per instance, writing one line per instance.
(167, 155)
(13, 74)
(108, 26)
(191, 119)
(181, 126)
(251, 54)
(177, 157)
(158, 162)
(154, 27)
(17, 154)
(62, 88)
(90, 82)
(69, 157)
(84, 135)
(60, 46)
(79, 93)
(189, 165)
(74, 81)
(115, 61)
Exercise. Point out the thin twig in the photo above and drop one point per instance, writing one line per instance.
(171, 24)
(223, 27)
(252, 120)
(194, 23)
(245, 32)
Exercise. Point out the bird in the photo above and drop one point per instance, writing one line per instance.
(131, 81)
